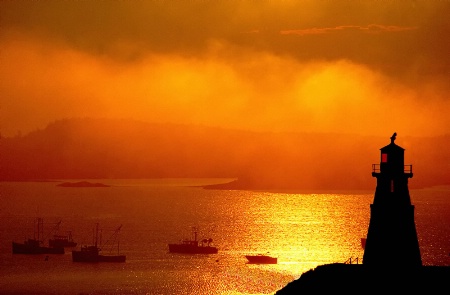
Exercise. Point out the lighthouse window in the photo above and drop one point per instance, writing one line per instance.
(383, 158)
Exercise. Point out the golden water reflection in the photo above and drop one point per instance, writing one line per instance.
(302, 230)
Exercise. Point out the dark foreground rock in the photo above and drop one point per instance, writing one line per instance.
(359, 279)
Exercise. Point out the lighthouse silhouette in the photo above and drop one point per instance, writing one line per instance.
(391, 261)
(392, 236)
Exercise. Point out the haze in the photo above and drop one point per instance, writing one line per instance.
(363, 67)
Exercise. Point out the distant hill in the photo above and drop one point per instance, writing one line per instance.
(115, 148)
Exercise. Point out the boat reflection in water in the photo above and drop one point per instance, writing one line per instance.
(194, 246)
(92, 253)
(261, 259)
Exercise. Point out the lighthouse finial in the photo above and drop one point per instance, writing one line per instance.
(393, 137)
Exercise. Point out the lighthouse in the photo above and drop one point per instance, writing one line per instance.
(392, 237)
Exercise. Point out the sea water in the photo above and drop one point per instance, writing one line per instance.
(302, 229)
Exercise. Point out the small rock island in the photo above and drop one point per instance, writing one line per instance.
(82, 184)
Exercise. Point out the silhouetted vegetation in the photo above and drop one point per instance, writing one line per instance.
(113, 148)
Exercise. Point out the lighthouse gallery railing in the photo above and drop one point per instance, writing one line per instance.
(406, 168)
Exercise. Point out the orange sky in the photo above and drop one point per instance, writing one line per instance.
(366, 67)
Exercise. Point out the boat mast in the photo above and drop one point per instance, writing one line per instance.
(96, 235)
(36, 228)
(39, 227)
(117, 236)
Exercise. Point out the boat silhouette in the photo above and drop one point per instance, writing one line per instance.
(93, 253)
(193, 245)
(59, 240)
(35, 245)
(261, 259)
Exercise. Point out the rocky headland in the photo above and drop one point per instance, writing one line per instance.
(360, 279)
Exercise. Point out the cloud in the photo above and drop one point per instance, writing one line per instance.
(373, 29)
(228, 86)
(353, 66)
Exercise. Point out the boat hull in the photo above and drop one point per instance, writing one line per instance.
(192, 249)
(34, 249)
(61, 243)
(94, 257)
(261, 259)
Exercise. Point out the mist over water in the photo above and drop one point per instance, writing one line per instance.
(303, 230)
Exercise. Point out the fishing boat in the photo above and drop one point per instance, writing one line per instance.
(59, 240)
(93, 253)
(193, 245)
(261, 259)
(62, 241)
(36, 245)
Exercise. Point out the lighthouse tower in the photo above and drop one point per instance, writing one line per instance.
(392, 237)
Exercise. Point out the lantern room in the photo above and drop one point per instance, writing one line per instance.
(392, 161)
